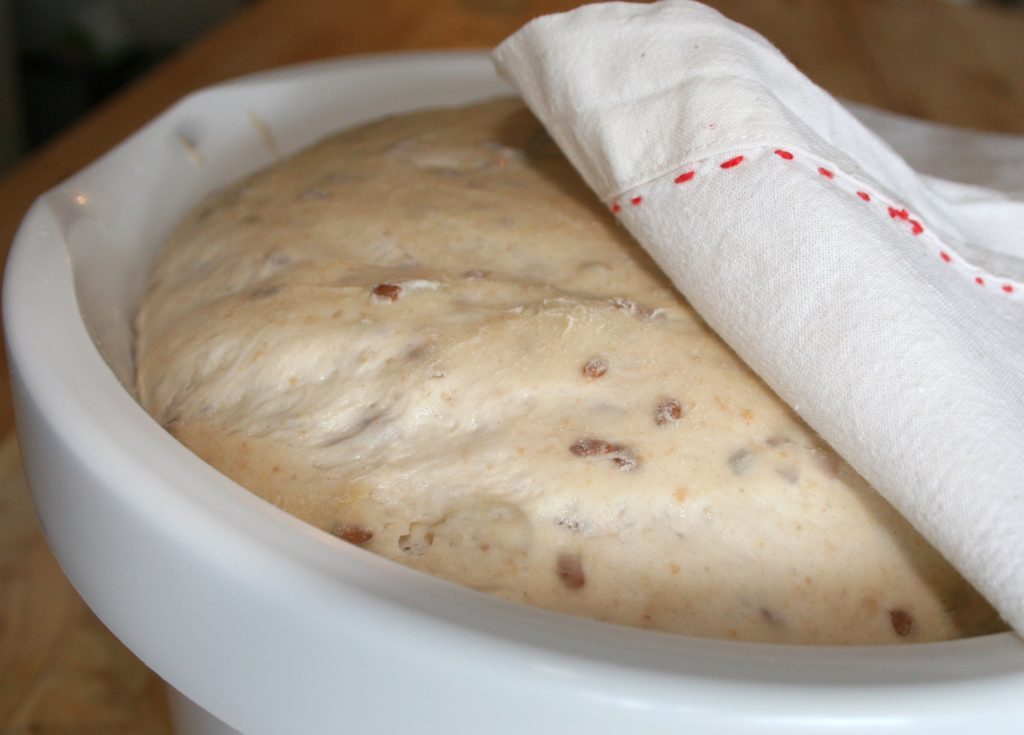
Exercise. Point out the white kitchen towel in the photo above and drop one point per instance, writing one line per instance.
(885, 306)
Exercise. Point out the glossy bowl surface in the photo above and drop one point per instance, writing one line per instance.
(275, 627)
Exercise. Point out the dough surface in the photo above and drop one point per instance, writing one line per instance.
(426, 337)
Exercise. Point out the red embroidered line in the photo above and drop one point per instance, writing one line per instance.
(916, 227)
(636, 201)
(616, 207)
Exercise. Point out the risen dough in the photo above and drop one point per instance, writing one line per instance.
(426, 337)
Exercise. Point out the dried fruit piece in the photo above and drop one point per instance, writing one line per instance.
(570, 524)
(591, 447)
(669, 411)
(417, 541)
(902, 622)
(789, 473)
(352, 533)
(625, 461)
(279, 260)
(595, 368)
(827, 460)
(387, 291)
(264, 292)
(570, 570)
(632, 307)
(768, 616)
(623, 457)
(742, 462)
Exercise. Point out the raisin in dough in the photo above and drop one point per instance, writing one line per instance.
(425, 337)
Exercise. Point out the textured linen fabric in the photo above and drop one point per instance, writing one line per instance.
(883, 305)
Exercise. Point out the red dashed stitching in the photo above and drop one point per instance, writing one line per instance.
(898, 213)
(916, 227)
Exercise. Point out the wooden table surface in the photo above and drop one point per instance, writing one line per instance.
(61, 671)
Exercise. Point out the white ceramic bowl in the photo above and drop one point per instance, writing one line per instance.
(275, 627)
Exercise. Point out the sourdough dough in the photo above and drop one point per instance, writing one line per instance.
(426, 337)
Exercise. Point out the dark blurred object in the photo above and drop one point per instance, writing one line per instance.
(75, 53)
(11, 130)
(91, 56)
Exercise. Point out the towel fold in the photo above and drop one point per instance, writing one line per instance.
(885, 306)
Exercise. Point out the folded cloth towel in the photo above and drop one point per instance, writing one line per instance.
(885, 306)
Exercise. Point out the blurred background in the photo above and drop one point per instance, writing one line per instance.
(59, 58)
